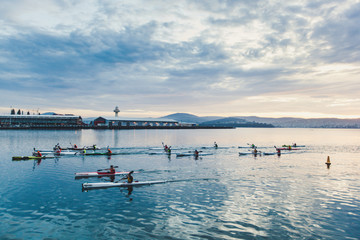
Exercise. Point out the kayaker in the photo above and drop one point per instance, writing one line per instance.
(75, 146)
(129, 178)
(58, 151)
(215, 145)
(166, 148)
(109, 151)
(278, 152)
(112, 169)
(38, 154)
(196, 153)
(168, 151)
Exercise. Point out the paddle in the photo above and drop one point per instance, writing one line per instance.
(125, 177)
(106, 169)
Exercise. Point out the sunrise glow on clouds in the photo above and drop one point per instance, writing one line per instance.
(152, 58)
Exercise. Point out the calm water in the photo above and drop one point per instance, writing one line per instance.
(222, 196)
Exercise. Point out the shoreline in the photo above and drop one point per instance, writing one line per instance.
(107, 128)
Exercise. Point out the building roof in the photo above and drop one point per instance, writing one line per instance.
(139, 119)
(37, 116)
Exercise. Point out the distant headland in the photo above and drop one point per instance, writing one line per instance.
(51, 120)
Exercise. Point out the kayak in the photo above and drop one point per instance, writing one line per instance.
(287, 148)
(83, 148)
(118, 184)
(191, 154)
(57, 153)
(269, 153)
(29, 158)
(70, 148)
(245, 153)
(98, 174)
(66, 153)
(250, 153)
(89, 154)
(256, 154)
(293, 146)
(159, 153)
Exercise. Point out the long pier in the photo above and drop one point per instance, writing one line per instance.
(68, 127)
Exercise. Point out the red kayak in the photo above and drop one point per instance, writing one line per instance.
(287, 148)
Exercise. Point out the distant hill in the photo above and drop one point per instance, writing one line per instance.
(189, 118)
(308, 123)
(241, 121)
(215, 121)
(234, 122)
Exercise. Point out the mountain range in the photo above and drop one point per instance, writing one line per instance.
(253, 121)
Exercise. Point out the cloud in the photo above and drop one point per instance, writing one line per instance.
(164, 55)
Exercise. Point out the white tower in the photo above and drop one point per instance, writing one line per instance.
(116, 111)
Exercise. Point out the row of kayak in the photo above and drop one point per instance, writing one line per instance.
(97, 154)
(186, 154)
(64, 153)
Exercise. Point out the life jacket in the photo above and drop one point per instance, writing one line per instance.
(39, 154)
(130, 178)
(112, 170)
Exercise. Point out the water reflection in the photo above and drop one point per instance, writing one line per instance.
(252, 198)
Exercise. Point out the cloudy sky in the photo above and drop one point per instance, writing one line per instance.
(273, 58)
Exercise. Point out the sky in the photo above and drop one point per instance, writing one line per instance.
(273, 58)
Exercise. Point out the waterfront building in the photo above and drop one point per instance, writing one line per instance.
(114, 122)
(40, 121)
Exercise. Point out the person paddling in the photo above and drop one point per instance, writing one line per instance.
(109, 152)
(129, 178)
(196, 153)
(112, 169)
(58, 151)
(255, 151)
(38, 154)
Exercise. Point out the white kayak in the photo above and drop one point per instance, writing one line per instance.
(67, 153)
(118, 184)
(249, 153)
(258, 153)
(98, 174)
(192, 154)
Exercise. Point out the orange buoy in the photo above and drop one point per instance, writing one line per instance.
(328, 163)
